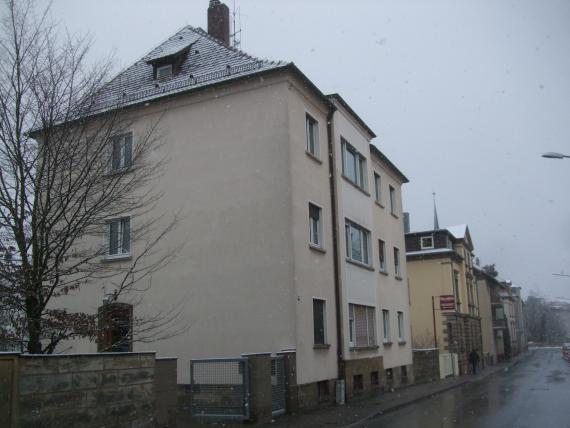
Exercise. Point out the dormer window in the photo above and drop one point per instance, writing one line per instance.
(427, 242)
(167, 62)
(164, 71)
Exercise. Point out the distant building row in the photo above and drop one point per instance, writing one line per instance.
(457, 306)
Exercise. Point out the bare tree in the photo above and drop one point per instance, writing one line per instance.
(68, 166)
(543, 322)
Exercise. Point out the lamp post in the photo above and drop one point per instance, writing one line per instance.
(554, 155)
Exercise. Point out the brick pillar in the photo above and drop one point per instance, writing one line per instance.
(292, 393)
(259, 387)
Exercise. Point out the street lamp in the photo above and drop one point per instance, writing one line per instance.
(554, 155)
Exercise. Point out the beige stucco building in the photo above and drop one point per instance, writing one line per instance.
(282, 204)
(444, 298)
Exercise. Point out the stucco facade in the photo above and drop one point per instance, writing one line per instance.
(367, 205)
(255, 174)
(440, 268)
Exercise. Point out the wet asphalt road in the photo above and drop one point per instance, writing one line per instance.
(533, 394)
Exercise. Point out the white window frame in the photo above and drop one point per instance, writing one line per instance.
(164, 67)
(401, 333)
(312, 123)
(378, 188)
(123, 153)
(120, 222)
(361, 179)
(392, 199)
(364, 242)
(386, 325)
(397, 265)
(324, 320)
(370, 320)
(427, 247)
(382, 251)
(320, 227)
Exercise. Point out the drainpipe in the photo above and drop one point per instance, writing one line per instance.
(337, 282)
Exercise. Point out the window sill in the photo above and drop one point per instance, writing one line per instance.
(387, 343)
(394, 215)
(401, 342)
(379, 204)
(399, 278)
(316, 248)
(120, 171)
(384, 272)
(313, 157)
(356, 185)
(322, 346)
(116, 258)
(363, 348)
(359, 264)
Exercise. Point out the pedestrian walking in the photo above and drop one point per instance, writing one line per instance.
(474, 360)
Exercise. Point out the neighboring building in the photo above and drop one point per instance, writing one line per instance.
(495, 328)
(485, 283)
(377, 346)
(444, 298)
(519, 337)
(284, 208)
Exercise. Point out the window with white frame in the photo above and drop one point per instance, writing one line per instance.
(378, 188)
(362, 325)
(382, 255)
(401, 334)
(119, 236)
(397, 270)
(312, 129)
(164, 71)
(122, 152)
(426, 242)
(316, 226)
(353, 165)
(386, 324)
(357, 243)
(392, 200)
(319, 322)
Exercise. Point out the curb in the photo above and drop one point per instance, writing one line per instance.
(430, 395)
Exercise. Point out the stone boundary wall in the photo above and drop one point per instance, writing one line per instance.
(82, 390)
(426, 365)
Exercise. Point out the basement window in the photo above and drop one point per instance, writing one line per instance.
(323, 390)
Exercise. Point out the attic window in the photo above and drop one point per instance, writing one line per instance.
(427, 242)
(164, 71)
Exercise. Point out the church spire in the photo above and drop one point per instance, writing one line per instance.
(435, 220)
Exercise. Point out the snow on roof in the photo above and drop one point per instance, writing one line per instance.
(458, 231)
(208, 62)
(432, 251)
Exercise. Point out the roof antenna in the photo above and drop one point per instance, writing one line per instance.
(435, 220)
(236, 34)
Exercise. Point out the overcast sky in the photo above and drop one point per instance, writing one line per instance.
(464, 96)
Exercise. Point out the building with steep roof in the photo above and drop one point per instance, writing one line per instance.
(290, 236)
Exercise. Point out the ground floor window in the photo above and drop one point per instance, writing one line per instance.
(362, 325)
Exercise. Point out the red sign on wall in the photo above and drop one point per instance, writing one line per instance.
(447, 302)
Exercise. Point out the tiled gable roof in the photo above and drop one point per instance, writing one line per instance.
(208, 62)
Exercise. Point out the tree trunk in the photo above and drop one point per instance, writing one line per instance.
(34, 325)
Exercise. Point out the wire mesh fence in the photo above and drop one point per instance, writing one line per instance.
(220, 388)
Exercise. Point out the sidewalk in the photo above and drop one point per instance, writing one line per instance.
(360, 410)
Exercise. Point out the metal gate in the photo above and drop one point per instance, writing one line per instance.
(278, 390)
(220, 388)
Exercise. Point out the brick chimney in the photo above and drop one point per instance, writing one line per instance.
(219, 21)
